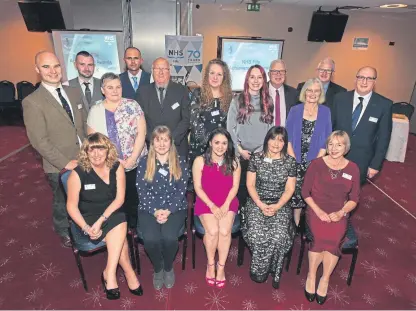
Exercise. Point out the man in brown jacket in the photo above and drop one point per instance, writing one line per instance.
(55, 120)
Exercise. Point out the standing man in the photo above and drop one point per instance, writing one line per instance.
(55, 121)
(284, 96)
(88, 86)
(367, 118)
(166, 103)
(324, 72)
(134, 78)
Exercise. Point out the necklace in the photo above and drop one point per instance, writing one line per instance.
(334, 172)
(308, 111)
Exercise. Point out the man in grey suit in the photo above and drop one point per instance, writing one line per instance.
(55, 121)
(88, 86)
(367, 118)
(284, 96)
(166, 103)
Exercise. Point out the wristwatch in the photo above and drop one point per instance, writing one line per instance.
(345, 213)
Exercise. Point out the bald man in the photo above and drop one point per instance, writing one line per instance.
(367, 118)
(325, 72)
(55, 120)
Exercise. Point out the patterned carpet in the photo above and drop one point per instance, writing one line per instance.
(12, 138)
(37, 273)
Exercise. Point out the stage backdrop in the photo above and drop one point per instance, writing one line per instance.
(184, 54)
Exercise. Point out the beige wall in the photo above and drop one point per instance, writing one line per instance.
(396, 64)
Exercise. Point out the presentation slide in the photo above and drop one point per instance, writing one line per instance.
(104, 46)
(241, 54)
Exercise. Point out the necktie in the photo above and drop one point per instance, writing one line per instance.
(277, 108)
(135, 84)
(161, 89)
(87, 93)
(65, 104)
(356, 113)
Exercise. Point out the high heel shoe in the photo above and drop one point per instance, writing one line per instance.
(220, 284)
(321, 299)
(112, 294)
(210, 281)
(310, 297)
(138, 291)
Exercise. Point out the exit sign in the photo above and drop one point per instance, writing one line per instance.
(253, 7)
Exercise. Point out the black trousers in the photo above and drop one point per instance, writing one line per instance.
(59, 213)
(161, 240)
(242, 193)
(131, 200)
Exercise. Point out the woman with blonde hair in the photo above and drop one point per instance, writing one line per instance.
(161, 183)
(95, 194)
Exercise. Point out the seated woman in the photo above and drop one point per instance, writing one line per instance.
(95, 194)
(162, 179)
(216, 177)
(267, 222)
(331, 189)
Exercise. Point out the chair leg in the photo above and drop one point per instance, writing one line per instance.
(81, 269)
(289, 258)
(139, 271)
(193, 249)
(241, 249)
(132, 251)
(184, 247)
(352, 267)
(302, 250)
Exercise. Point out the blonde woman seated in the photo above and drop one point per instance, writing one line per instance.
(95, 194)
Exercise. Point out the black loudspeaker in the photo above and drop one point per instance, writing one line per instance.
(42, 16)
(327, 26)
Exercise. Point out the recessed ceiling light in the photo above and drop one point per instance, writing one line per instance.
(393, 6)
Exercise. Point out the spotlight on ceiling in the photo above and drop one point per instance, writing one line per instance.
(393, 6)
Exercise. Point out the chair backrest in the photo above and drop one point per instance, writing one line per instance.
(404, 108)
(64, 180)
(24, 88)
(7, 92)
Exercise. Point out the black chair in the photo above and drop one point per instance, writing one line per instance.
(350, 246)
(7, 95)
(404, 108)
(81, 244)
(24, 88)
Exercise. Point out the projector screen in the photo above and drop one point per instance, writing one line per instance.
(241, 53)
(106, 47)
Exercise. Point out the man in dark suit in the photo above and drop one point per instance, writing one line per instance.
(325, 71)
(367, 118)
(55, 121)
(134, 78)
(166, 103)
(88, 86)
(284, 96)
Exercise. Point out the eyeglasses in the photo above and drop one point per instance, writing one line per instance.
(366, 79)
(160, 69)
(278, 72)
(328, 71)
(308, 91)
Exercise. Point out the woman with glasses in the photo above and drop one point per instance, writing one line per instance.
(308, 126)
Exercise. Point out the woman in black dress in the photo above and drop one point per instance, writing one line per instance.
(96, 189)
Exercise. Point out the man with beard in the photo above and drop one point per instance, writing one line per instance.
(88, 86)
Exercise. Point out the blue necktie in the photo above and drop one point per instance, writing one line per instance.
(65, 104)
(357, 112)
(135, 85)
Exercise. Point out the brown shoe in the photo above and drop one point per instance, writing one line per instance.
(66, 241)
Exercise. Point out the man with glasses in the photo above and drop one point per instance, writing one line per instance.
(367, 118)
(166, 103)
(325, 71)
(284, 96)
(134, 77)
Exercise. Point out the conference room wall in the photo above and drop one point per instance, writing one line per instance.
(395, 64)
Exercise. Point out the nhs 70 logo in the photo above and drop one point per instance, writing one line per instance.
(194, 56)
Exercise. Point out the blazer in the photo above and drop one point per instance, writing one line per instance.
(51, 131)
(333, 89)
(323, 128)
(175, 112)
(128, 90)
(96, 92)
(371, 137)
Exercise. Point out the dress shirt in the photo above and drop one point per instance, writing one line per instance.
(272, 92)
(357, 101)
(164, 91)
(139, 75)
(325, 86)
(83, 87)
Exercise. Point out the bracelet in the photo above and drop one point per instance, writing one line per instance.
(105, 218)
(86, 227)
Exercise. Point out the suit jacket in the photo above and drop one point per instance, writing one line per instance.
(291, 97)
(175, 112)
(51, 131)
(96, 92)
(371, 137)
(333, 89)
(128, 90)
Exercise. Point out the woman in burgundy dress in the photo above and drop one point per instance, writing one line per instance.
(331, 189)
(216, 176)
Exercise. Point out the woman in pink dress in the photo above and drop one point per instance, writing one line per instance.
(216, 176)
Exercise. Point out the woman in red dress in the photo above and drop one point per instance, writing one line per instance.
(331, 190)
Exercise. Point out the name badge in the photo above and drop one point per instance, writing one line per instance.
(215, 113)
(268, 160)
(175, 105)
(79, 106)
(89, 187)
(372, 119)
(163, 171)
(346, 176)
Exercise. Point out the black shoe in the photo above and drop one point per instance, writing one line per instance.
(310, 296)
(66, 241)
(138, 291)
(112, 294)
(275, 284)
(320, 299)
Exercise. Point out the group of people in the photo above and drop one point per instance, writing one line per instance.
(268, 153)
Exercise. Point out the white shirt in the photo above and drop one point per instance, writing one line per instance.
(83, 87)
(357, 101)
(272, 92)
(139, 75)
